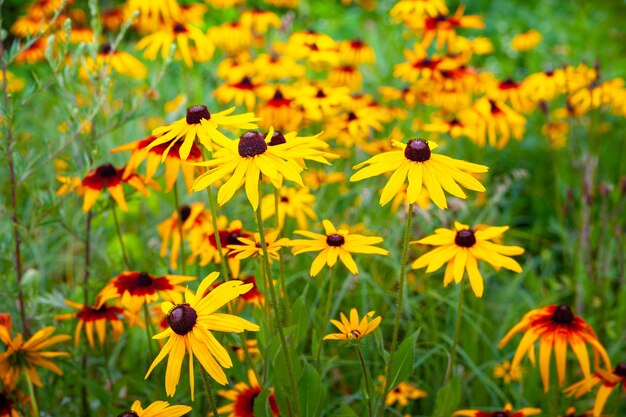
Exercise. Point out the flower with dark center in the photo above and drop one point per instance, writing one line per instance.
(461, 248)
(500, 414)
(335, 240)
(563, 315)
(182, 318)
(465, 238)
(320, 94)
(417, 150)
(556, 326)
(190, 331)
(335, 245)
(180, 28)
(197, 113)
(93, 319)
(184, 211)
(277, 139)
(251, 144)
(143, 280)
(352, 116)
(353, 328)
(284, 199)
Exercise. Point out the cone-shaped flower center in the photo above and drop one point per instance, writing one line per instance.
(465, 238)
(320, 94)
(277, 139)
(335, 240)
(128, 414)
(179, 28)
(417, 150)
(182, 318)
(106, 171)
(278, 95)
(563, 315)
(352, 116)
(500, 414)
(197, 113)
(143, 280)
(251, 144)
(185, 211)
(620, 370)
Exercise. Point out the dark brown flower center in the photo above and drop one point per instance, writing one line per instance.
(563, 315)
(500, 414)
(278, 95)
(128, 414)
(620, 370)
(417, 150)
(179, 28)
(105, 48)
(182, 318)
(465, 238)
(352, 116)
(284, 199)
(233, 238)
(143, 280)
(277, 139)
(320, 94)
(251, 144)
(197, 113)
(335, 240)
(185, 212)
(106, 171)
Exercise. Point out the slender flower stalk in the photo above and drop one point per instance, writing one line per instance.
(274, 299)
(400, 299)
(31, 394)
(120, 237)
(146, 315)
(283, 283)
(208, 388)
(179, 222)
(83, 389)
(455, 341)
(368, 381)
(329, 302)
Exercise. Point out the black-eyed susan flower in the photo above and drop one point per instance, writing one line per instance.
(251, 346)
(251, 247)
(95, 319)
(253, 296)
(546, 85)
(25, 356)
(346, 76)
(606, 379)
(202, 125)
(416, 163)
(402, 394)
(112, 178)
(335, 244)
(12, 402)
(444, 27)
(496, 123)
(190, 331)
(507, 411)
(274, 66)
(242, 91)
(193, 13)
(203, 243)
(244, 160)
(192, 44)
(356, 52)
(112, 19)
(154, 157)
(242, 398)
(115, 60)
(555, 326)
(354, 329)
(296, 203)
(156, 409)
(419, 65)
(134, 289)
(153, 14)
(506, 372)
(280, 111)
(526, 41)
(461, 248)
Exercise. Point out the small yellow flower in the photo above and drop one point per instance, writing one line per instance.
(354, 329)
(335, 244)
(507, 373)
(526, 41)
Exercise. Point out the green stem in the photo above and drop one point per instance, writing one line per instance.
(120, 237)
(274, 299)
(208, 389)
(283, 283)
(216, 233)
(31, 394)
(400, 300)
(179, 222)
(326, 317)
(455, 341)
(368, 381)
(146, 315)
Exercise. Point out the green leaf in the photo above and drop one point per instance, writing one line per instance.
(345, 411)
(262, 405)
(448, 398)
(312, 392)
(402, 363)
